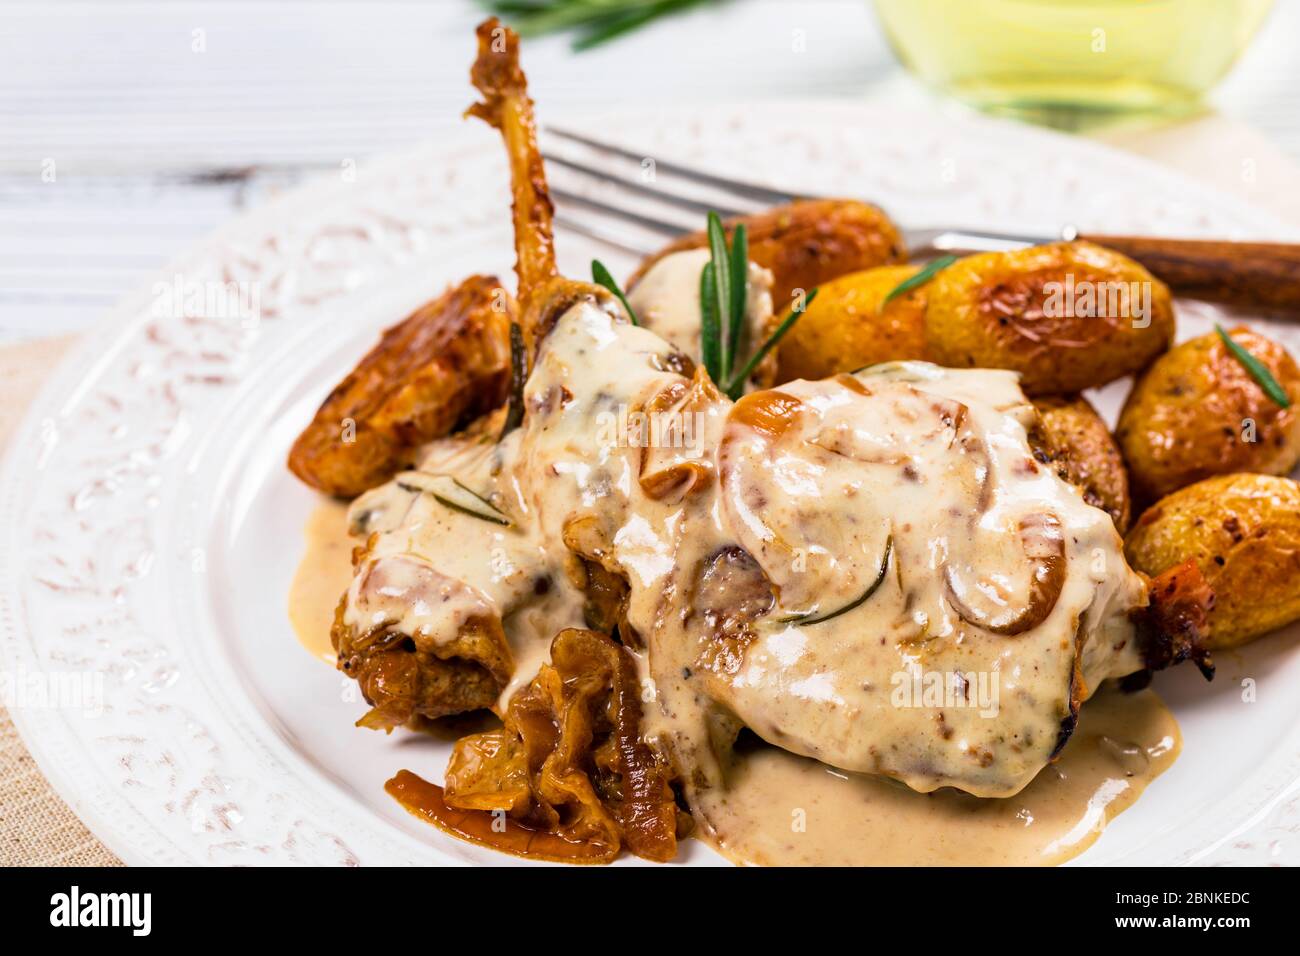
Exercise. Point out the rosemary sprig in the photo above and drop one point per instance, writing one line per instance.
(931, 269)
(739, 294)
(721, 262)
(596, 21)
(617, 25)
(518, 375)
(456, 506)
(807, 620)
(737, 384)
(729, 294)
(448, 491)
(710, 323)
(602, 277)
(724, 294)
(1257, 369)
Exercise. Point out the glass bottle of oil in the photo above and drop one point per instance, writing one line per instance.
(1058, 60)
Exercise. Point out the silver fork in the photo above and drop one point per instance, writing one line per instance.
(636, 215)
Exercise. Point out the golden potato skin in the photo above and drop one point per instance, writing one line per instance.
(849, 325)
(1243, 532)
(992, 311)
(447, 362)
(1183, 421)
(1076, 440)
(806, 243)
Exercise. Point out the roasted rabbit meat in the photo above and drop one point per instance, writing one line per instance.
(636, 565)
(771, 570)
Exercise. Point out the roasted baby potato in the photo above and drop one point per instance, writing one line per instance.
(1243, 532)
(446, 363)
(1066, 316)
(807, 243)
(1197, 412)
(1074, 438)
(850, 325)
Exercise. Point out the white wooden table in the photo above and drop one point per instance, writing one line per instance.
(128, 130)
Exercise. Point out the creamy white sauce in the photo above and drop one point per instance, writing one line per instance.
(936, 462)
(911, 453)
(922, 472)
(778, 809)
(667, 302)
(323, 574)
(432, 568)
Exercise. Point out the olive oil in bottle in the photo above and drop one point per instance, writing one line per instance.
(1057, 61)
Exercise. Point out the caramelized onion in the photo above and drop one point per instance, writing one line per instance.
(1045, 548)
(770, 412)
(673, 463)
(428, 802)
(568, 777)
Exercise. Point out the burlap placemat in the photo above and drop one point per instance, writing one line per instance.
(36, 827)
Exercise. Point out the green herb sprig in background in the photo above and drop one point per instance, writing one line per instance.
(595, 21)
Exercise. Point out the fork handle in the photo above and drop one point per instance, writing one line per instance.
(1264, 274)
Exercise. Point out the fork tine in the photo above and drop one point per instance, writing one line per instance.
(645, 222)
(762, 194)
(641, 189)
(609, 237)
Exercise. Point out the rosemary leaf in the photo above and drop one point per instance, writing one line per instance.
(550, 16)
(721, 261)
(448, 490)
(518, 375)
(1257, 369)
(596, 21)
(471, 511)
(737, 385)
(931, 269)
(616, 25)
(807, 620)
(710, 323)
(601, 276)
(739, 295)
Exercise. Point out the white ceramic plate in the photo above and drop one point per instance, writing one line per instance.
(151, 529)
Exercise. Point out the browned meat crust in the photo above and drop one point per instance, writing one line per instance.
(404, 676)
(1173, 627)
(1075, 439)
(445, 364)
(1070, 722)
(402, 683)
